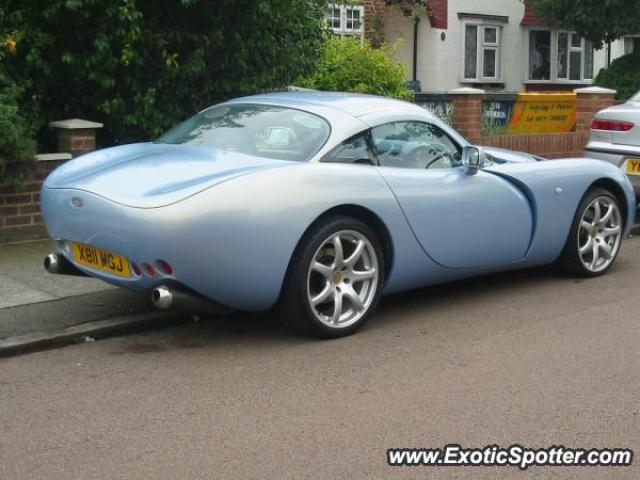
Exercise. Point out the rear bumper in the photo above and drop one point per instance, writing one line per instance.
(618, 159)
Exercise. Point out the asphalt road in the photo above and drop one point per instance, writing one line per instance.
(527, 357)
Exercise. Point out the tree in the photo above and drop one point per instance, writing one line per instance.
(140, 67)
(599, 21)
(623, 75)
(349, 65)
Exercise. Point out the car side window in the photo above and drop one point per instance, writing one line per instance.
(415, 145)
(353, 150)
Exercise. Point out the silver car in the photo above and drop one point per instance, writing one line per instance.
(615, 137)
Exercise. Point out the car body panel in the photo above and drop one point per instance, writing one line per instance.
(231, 237)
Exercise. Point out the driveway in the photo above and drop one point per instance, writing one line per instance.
(526, 357)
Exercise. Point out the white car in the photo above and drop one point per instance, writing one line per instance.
(615, 137)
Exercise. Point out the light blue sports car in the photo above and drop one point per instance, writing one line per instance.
(319, 203)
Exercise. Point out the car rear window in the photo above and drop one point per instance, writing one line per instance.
(260, 130)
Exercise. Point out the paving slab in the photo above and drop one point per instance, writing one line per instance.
(23, 279)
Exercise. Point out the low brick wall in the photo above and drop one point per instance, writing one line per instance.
(20, 217)
(548, 145)
(467, 119)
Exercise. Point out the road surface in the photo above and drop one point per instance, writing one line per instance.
(528, 357)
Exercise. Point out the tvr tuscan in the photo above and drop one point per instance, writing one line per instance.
(319, 203)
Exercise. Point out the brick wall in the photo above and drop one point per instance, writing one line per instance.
(467, 119)
(20, 217)
(373, 17)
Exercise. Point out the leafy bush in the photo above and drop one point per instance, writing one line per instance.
(623, 75)
(347, 64)
(17, 144)
(139, 67)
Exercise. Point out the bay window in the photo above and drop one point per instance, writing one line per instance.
(559, 56)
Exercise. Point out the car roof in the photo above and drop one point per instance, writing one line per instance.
(354, 104)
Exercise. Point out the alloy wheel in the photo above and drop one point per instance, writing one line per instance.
(342, 279)
(599, 234)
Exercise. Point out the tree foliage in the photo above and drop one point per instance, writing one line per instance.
(599, 21)
(349, 65)
(17, 143)
(623, 75)
(139, 67)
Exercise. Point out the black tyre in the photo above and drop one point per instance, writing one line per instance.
(595, 237)
(334, 280)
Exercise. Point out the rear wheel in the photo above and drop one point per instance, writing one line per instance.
(595, 237)
(335, 278)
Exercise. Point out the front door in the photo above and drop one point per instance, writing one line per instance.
(460, 220)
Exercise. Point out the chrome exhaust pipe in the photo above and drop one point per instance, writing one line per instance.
(57, 264)
(165, 298)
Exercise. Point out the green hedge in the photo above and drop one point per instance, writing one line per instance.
(17, 143)
(348, 64)
(139, 67)
(623, 75)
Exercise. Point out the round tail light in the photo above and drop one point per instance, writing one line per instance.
(164, 266)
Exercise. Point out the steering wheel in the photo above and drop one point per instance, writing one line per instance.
(439, 152)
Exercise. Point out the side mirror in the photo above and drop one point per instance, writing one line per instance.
(472, 158)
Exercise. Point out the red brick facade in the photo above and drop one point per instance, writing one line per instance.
(20, 217)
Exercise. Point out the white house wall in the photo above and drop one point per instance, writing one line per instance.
(439, 62)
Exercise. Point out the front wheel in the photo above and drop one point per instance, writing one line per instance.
(335, 278)
(595, 237)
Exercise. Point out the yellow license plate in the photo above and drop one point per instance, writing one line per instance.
(100, 259)
(633, 166)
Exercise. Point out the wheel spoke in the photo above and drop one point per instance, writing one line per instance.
(607, 216)
(595, 255)
(323, 296)
(606, 249)
(325, 270)
(596, 212)
(587, 246)
(607, 232)
(359, 276)
(339, 253)
(586, 226)
(337, 307)
(355, 256)
(354, 298)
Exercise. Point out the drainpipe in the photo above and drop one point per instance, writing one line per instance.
(416, 21)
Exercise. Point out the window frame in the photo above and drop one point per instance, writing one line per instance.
(344, 9)
(553, 57)
(481, 46)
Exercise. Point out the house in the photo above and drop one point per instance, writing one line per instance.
(496, 45)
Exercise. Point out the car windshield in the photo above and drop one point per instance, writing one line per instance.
(636, 97)
(261, 130)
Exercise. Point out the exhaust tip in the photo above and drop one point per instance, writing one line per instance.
(162, 297)
(52, 263)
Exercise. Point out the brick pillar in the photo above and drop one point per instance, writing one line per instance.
(76, 136)
(467, 112)
(589, 101)
(373, 17)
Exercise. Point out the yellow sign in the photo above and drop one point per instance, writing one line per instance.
(543, 113)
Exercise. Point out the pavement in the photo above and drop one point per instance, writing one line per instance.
(40, 310)
(526, 357)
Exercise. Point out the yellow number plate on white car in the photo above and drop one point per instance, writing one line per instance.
(633, 166)
(100, 259)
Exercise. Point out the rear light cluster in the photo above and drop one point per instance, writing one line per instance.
(159, 267)
(611, 125)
